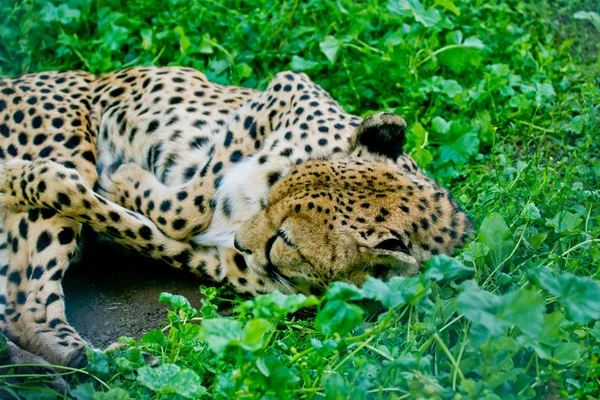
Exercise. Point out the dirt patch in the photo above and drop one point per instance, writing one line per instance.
(111, 293)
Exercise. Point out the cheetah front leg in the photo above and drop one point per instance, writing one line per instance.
(45, 184)
(180, 213)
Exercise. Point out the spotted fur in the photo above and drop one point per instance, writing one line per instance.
(280, 189)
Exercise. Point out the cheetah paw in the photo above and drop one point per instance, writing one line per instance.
(114, 185)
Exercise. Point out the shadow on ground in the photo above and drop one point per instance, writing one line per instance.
(111, 293)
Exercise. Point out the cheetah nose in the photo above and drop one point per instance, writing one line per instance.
(240, 248)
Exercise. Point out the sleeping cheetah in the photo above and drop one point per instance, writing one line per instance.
(279, 189)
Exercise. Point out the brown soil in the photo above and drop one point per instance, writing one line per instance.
(111, 293)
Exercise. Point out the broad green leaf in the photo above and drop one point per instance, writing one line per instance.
(254, 333)
(496, 235)
(330, 47)
(344, 291)
(579, 296)
(171, 379)
(86, 391)
(439, 125)
(523, 309)
(180, 305)
(336, 387)
(500, 69)
(338, 317)
(422, 157)
(567, 353)
(461, 54)
(461, 150)
(220, 333)
(491, 315)
(475, 251)
(243, 70)
(378, 290)
(531, 213)
(451, 87)
(565, 222)
(428, 17)
(595, 331)
(413, 290)
(444, 268)
(544, 91)
(300, 64)
(551, 329)
(448, 5)
(153, 337)
(591, 16)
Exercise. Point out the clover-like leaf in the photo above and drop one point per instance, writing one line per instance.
(330, 47)
(339, 317)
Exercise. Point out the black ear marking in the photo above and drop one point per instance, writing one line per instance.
(384, 134)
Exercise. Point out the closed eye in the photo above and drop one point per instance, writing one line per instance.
(393, 245)
(280, 233)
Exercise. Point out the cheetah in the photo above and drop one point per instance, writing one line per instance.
(268, 190)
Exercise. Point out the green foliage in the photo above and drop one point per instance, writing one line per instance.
(502, 102)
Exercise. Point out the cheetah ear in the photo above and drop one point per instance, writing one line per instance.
(384, 134)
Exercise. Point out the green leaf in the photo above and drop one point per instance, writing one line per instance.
(461, 54)
(177, 302)
(461, 150)
(300, 64)
(330, 47)
(428, 17)
(579, 296)
(544, 91)
(439, 125)
(184, 42)
(595, 331)
(491, 315)
(500, 69)
(220, 333)
(275, 305)
(378, 290)
(153, 337)
(206, 45)
(336, 387)
(494, 233)
(86, 391)
(443, 268)
(531, 213)
(551, 334)
(565, 223)
(171, 379)
(567, 353)
(254, 333)
(591, 16)
(338, 317)
(243, 70)
(448, 5)
(344, 291)
(451, 87)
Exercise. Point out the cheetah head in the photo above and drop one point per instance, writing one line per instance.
(372, 212)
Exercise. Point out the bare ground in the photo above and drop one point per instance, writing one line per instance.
(111, 293)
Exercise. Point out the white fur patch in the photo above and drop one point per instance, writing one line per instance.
(243, 191)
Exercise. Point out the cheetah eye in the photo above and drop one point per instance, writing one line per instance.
(393, 245)
(284, 236)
